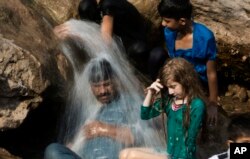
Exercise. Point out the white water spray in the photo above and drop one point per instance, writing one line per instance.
(83, 106)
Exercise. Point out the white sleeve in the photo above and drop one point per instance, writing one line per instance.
(214, 157)
(224, 155)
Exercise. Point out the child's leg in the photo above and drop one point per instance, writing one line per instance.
(56, 151)
(140, 153)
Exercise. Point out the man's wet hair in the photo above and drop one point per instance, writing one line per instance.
(101, 70)
(239, 126)
(175, 9)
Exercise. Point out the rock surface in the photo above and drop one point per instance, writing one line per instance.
(59, 11)
(28, 61)
(21, 83)
(4, 154)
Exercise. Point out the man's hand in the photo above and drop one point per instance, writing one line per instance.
(61, 31)
(95, 129)
(118, 133)
(212, 114)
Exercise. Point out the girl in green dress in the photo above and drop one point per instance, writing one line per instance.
(184, 105)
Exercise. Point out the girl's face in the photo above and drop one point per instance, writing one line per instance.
(175, 89)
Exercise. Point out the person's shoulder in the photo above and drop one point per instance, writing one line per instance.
(168, 31)
(108, 3)
(169, 34)
(202, 29)
(198, 103)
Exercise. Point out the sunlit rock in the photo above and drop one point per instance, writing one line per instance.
(58, 10)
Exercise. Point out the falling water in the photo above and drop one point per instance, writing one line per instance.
(83, 107)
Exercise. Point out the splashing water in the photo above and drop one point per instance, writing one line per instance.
(83, 106)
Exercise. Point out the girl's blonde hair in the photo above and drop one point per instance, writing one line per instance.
(181, 71)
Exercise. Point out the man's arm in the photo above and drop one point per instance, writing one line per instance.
(64, 31)
(107, 27)
(119, 133)
(213, 91)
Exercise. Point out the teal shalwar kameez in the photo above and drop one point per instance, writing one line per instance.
(180, 145)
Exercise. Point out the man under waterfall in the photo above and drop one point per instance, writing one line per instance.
(111, 129)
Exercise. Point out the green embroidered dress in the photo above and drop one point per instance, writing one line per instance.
(179, 146)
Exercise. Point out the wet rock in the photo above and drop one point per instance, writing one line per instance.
(32, 73)
(20, 84)
(236, 100)
(29, 63)
(248, 93)
(215, 137)
(4, 154)
(237, 93)
(58, 10)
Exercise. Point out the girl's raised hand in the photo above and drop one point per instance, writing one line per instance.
(155, 87)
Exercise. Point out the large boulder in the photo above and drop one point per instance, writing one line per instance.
(32, 74)
(29, 61)
(21, 83)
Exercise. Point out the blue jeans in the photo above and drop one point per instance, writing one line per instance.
(58, 151)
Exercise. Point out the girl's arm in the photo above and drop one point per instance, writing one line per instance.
(152, 90)
(147, 110)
